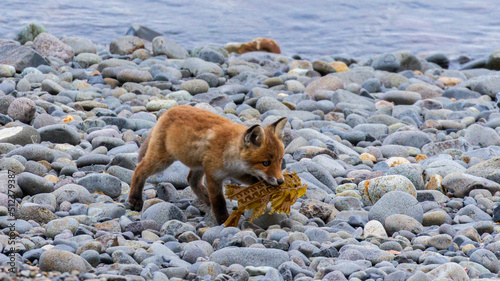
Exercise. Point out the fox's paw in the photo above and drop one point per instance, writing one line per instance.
(134, 204)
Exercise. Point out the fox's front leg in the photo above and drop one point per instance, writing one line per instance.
(217, 199)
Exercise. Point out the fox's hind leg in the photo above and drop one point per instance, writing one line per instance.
(153, 158)
(195, 180)
(217, 199)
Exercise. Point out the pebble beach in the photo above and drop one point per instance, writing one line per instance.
(400, 153)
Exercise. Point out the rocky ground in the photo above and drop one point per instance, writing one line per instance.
(401, 157)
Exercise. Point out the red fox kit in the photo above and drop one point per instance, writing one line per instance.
(211, 146)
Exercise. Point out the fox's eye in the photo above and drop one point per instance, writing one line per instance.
(266, 163)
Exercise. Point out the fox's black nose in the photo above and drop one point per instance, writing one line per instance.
(281, 181)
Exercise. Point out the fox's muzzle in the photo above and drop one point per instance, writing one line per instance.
(274, 181)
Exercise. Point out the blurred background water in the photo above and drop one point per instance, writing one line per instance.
(309, 28)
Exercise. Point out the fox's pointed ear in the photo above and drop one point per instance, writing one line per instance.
(279, 126)
(254, 136)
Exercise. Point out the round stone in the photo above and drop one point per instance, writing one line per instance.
(487, 259)
(401, 97)
(51, 87)
(164, 46)
(329, 82)
(29, 32)
(73, 193)
(87, 59)
(36, 212)
(7, 70)
(80, 45)
(493, 61)
(19, 135)
(104, 183)
(413, 172)
(373, 189)
(43, 120)
(265, 104)
(92, 257)
(396, 202)
(398, 222)
(50, 46)
(134, 75)
(195, 86)
(250, 257)
(22, 109)
(209, 268)
(60, 133)
(156, 105)
(126, 45)
(62, 261)
(374, 228)
(447, 271)
(198, 66)
(387, 62)
(11, 164)
(163, 212)
(57, 226)
(211, 55)
(437, 217)
(32, 184)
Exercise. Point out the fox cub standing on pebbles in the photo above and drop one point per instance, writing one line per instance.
(211, 146)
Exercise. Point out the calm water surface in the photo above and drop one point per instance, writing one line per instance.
(309, 28)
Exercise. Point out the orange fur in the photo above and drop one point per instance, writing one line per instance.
(211, 146)
(260, 44)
